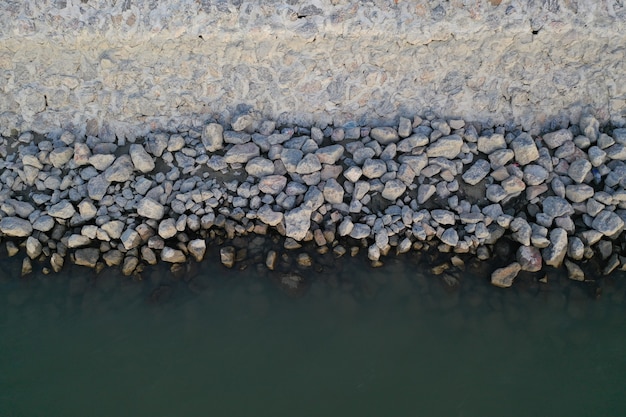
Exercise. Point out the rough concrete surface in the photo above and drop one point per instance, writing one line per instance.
(125, 67)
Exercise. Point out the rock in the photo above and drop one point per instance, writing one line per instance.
(297, 223)
(113, 257)
(558, 138)
(529, 258)
(62, 210)
(333, 192)
(524, 149)
(272, 184)
(554, 254)
(577, 193)
(574, 271)
(513, 185)
(236, 138)
(360, 231)
(150, 209)
(141, 159)
(78, 241)
(308, 165)
(197, 249)
(87, 257)
(172, 255)
(304, 260)
(130, 264)
(114, 228)
(414, 141)
(227, 256)
(384, 135)
(374, 168)
(213, 137)
(15, 227)
(393, 190)
(130, 239)
(97, 187)
(444, 217)
(27, 266)
(579, 169)
(44, 223)
(329, 154)
(477, 172)
(345, 227)
(608, 223)
(260, 167)
(405, 127)
(59, 157)
(500, 158)
(424, 192)
(167, 228)
(269, 216)
(33, 247)
(556, 207)
(575, 248)
(291, 158)
(271, 259)
(490, 144)
(353, 173)
(535, 174)
(56, 262)
(450, 237)
(446, 147)
(121, 170)
(241, 153)
(504, 277)
(101, 161)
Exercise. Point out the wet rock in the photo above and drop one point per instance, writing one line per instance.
(524, 149)
(384, 135)
(130, 264)
(141, 159)
(172, 255)
(227, 256)
(113, 257)
(87, 257)
(197, 249)
(150, 209)
(15, 227)
(529, 258)
(574, 271)
(304, 260)
(447, 147)
(607, 223)
(213, 137)
(504, 277)
(27, 267)
(56, 262)
(271, 259)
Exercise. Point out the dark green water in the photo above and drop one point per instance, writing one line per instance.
(389, 342)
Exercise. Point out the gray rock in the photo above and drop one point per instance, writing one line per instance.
(78, 241)
(290, 158)
(412, 142)
(574, 271)
(167, 228)
(213, 137)
(172, 255)
(477, 172)
(101, 161)
(297, 223)
(576, 248)
(114, 228)
(558, 138)
(141, 159)
(360, 231)
(504, 277)
(62, 210)
(424, 192)
(59, 157)
(535, 174)
(374, 168)
(556, 207)
(272, 184)
(97, 187)
(529, 258)
(501, 157)
(197, 249)
(490, 144)
(444, 217)
(87, 257)
(333, 192)
(579, 169)
(345, 227)
(329, 154)
(308, 165)
(617, 152)
(405, 127)
(121, 170)
(554, 254)
(608, 223)
(269, 216)
(353, 173)
(241, 153)
(44, 223)
(495, 193)
(393, 190)
(446, 147)
(513, 185)
(236, 138)
(242, 122)
(524, 149)
(450, 237)
(33, 247)
(384, 135)
(596, 156)
(577, 193)
(150, 209)
(130, 239)
(314, 198)
(260, 167)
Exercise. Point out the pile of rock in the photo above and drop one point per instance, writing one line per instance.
(561, 196)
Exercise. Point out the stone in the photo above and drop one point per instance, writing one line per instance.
(101, 161)
(490, 144)
(44, 223)
(579, 169)
(227, 256)
(525, 149)
(130, 265)
(130, 239)
(555, 139)
(241, 153)
(141, 159)
(114, 228)
(556, 207)
(297, 223)
(213, 137)
(504, 277)
(33, 247)
(87, 257)
(353, 173)
(414, 141)
(374, 168)
(236, 138)
(513, 185)
(271, 259)
(269, 216)
(150, 209)
(333, 192)
(329, 154)
(360, 231)
(97, 187)
(308, 165)
(59, 157)
(450, 237)
(500, 158)
(393, 190)
(197, 249)
(167, 228)
(535, 174)
(554, 254)
(56, 262)
(575, 248)
(78, 241)
(384, 135)
(62, 210)
(272, 184)
(444, 217)
(121, 170)
(260, 167)
(608, 223)
(446, 147)
(424, 192)
(15, 227)
(577, 193)
(596, 156)
(27, 266)
(405, 127)
(477, 172)
(529, 258)
(574, 271)
(172, 255)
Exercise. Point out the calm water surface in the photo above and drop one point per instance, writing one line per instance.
(367, 342)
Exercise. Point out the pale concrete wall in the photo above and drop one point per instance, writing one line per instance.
(127, 66)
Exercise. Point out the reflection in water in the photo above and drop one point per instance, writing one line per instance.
(358, 342)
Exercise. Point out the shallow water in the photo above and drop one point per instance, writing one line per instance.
(361, 342)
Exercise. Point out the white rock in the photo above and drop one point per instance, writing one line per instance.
(447, 147)
(297, 223)
(490, 144)
(393, 190)
(213, 137)
(141, 159)
(150, 209)
(197, 249)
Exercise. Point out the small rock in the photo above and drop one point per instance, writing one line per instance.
(579, 169)
(113, 228)
(490, 144)
(333, 192)
(87, 257)
(535, 174)
(172, 255)
(608, 223)
(384, 135)
(556, 207)
(529, 258)
(61, 156)
(150, 209)
(329, 154)
(15, 227)
(213, 137)
(308, 165)
(447, 147)
(577, 193)
(424, 192)
(271, 259)
(130, 239)
(167, 228)
(27, 266)
(197, 249)
(525, 149)
(504, 277)
(78, 241)
(297, 223)
(393, 190)
(33, 247)
(272, 184)
(121, 170)
(558, 138)
(304, 260)
(241, 153)
(450, 237)
(141, 159)
(360, 231)
(227, 256)
(554, 254)
(574, 271)
(62, 210)
(374, 168)
(130, 264)
(97, 187)
(477, 172)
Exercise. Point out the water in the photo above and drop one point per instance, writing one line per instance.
(363, 342)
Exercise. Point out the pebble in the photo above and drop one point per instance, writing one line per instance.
(150, 209)
(477, 172)
(446, 147)
(172, 255)
(141, 159)
(384, 135)
(213, 137)
(62, 210)
(524, 149)
(504, 277)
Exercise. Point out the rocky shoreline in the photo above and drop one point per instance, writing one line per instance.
(423, 183)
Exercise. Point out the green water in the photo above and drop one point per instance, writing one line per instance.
(384, 342)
